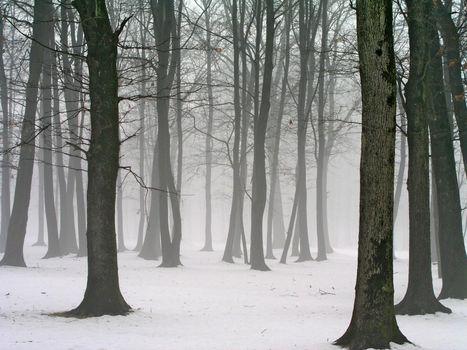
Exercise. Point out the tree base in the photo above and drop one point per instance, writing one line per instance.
(39, 244)
(13, 261)
(50, 255)
(270, 256)
(260, 266)
(206, 249)
(95, 309)
(360, 340)
(304, 258)
(417, 306)
(147, 255)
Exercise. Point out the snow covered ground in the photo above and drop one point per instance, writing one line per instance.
(204, 305)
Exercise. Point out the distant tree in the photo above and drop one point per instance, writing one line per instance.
(6, 206)
(167, 51)
(102, 295)
(258, 201)
(373, 323)
(19, 215)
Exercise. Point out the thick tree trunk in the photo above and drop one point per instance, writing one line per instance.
(102, 296)
(19, 216)
(373, 323)
(452, 248)
(419, 298)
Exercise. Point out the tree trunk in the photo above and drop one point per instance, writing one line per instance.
(419, 298)
(452, 249)
(275, 238)
(5, 214)
(120, 233)
(46, 124)
(451, 43)
(208, 142)
(165, 33)
(320, 189)
(19, 215)
(102, 296)
(151, 248)
(258, 202)
(233, 221)
(373, 323)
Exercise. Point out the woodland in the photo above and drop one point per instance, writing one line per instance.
(233, 174)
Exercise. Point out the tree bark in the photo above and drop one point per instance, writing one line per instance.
(102, 295)
(419, 298)
(373, 323)
(452, 248)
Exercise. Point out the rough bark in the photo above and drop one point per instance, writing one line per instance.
(373, 323)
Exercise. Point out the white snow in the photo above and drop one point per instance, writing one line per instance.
(204, 305)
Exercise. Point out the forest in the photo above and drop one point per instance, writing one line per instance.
(233, 174)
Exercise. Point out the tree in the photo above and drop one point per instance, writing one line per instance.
(5, 213)
(419, 298)
(102, 295)
(258, 201)
(19, 215)
(451, 240)
(373, 323)
(167, 52)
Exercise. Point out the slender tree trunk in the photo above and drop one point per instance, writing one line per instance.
(120, 233)
(102, 295)
(228, 251)
(320, 190)
(274, 201)
(258, 202)
(40, 196)
(208, 141)
(5, 214)
(373, 323)
(46, 124)
(19, 215)
(166, 39)
(151, 247)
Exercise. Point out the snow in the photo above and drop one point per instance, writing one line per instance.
(206, 304)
